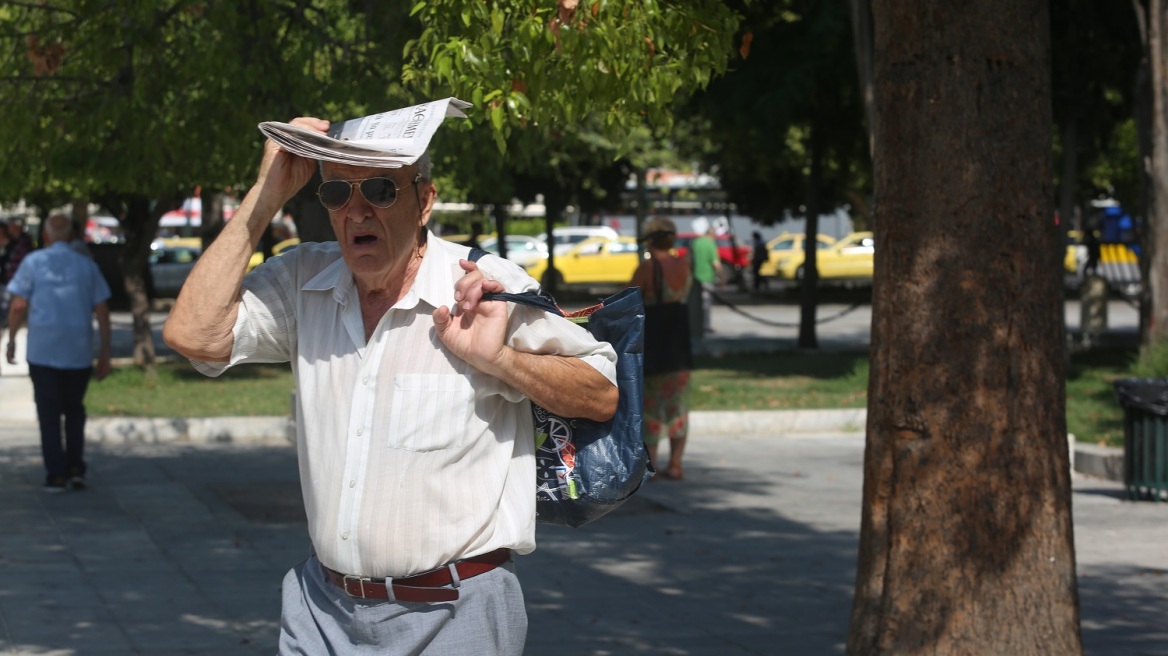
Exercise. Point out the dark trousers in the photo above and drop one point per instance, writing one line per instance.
(61, 393)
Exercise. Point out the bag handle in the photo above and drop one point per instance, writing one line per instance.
(541, 300)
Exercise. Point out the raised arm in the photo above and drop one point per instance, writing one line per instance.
(200, 324)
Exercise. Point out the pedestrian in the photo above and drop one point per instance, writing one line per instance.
(4, 242)
(414, 427)
(19, 245)
(707, 267)
(758, 257)
(1091, 240)
(59, 292)
(665, 280)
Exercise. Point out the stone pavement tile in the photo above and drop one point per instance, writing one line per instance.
(150, 595)
(1123, 610)
(65, 630)
(161, 503)
(25, 549)
(191, 631)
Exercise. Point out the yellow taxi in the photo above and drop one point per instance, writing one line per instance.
(850, 258)
(785, 254)
(1076, 253)
(257, 258)
(594, 262)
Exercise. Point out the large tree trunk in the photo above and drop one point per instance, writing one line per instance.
(1156, 224)
(966, 539)
(1143, 105)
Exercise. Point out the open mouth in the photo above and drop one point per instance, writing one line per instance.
(362, 240)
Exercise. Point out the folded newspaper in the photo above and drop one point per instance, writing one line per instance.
(389, 139)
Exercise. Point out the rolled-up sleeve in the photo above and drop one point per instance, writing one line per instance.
(265, 326)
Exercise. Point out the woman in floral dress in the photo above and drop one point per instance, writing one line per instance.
(666, 397)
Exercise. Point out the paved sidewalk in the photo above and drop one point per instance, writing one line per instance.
(180, 549)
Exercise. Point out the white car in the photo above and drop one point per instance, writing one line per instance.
(521, 249)
(568, 236)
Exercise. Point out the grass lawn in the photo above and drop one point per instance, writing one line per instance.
(778, 381)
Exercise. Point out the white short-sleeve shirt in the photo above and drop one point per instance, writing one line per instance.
(409, 457)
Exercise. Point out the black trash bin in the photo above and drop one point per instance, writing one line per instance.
(1145, 436)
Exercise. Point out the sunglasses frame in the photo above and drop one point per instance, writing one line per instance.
(356, 184)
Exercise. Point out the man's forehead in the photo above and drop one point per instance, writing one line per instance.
(334, 171)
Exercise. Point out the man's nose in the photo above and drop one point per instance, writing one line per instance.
(358, 210)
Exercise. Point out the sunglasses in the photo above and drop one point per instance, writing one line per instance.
(378, 192)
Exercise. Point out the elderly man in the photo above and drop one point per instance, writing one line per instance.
(60, 292)
(415, 438)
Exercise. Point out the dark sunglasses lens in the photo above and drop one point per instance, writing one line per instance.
(380, 192)
(334, 194)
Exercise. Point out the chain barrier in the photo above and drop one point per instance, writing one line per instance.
(782, 324)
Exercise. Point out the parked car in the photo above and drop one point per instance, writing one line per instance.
(735, 257)
(523, 250)
(568, 236)
(849, 259)
(170, 265)
(785, 254)
(595, 262)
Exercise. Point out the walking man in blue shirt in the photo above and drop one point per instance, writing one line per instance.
(59, 291)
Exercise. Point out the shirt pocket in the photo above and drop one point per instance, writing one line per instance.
(430, 411)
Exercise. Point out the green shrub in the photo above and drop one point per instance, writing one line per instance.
(1152, 362)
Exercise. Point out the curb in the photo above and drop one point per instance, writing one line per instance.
(218, 430)
(1091, 459)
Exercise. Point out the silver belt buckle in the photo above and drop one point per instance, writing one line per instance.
(360, 583)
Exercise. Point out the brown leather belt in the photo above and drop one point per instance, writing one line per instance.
(427, 587)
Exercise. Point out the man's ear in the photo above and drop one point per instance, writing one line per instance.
(427, 195)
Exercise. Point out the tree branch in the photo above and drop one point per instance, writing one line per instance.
(40, 6)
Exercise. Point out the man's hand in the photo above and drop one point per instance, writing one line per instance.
(103, 368)
(474, 331)
(282, 173)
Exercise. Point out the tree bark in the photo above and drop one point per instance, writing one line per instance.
(862, 38)
(1143, 105)
(809, 286)
(311, 218)
(1156, 222)
(966, 539)
(140, 225)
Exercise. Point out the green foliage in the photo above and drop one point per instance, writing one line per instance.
(1152, 361)
(146, 97)
(1116, 170)
(527, 64)
(795, 75)
(1095, 52)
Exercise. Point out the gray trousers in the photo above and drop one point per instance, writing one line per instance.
(487, 619)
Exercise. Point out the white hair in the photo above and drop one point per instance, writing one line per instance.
(58, 227)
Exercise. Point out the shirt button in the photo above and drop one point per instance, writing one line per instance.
(360, 431)
(365, 380)
(345, 535)
(353, 483)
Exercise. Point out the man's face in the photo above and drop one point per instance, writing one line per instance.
(378, 241)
